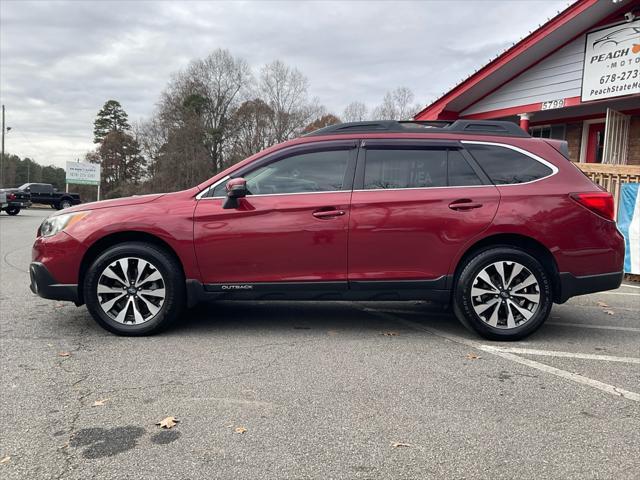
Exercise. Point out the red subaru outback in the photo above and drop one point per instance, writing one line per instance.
(477, 214)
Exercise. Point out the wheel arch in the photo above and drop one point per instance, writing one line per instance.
(522, 242)
(117, 238)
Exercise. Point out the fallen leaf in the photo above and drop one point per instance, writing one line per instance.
(100, 403)
(602, 304)
(389, 334)
(332, 333)
(5, 459)
(240, 430)
(472, 356)
(609, 312)
(64, 354)
(399, 444)
(168, 422)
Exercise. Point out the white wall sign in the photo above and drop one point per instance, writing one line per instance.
(551, 104)
(83, 173)
(612, 62)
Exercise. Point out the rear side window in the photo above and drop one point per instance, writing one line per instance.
(460, 172)
(405, 168)
(417, 168)
(506, 166)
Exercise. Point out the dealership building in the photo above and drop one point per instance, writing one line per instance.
(575, 78)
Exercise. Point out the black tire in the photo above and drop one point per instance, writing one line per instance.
(13, 210)
(174, 285)
(64, 203)
(463, 303)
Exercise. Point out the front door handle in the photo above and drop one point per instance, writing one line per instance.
(464, 204)
(328, 213)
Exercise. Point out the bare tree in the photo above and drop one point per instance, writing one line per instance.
(397, 105)
(321, 122)
(251, 127)
(355, 112)
(204, 97)
(285, 90)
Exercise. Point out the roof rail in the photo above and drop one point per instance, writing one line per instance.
(477, 127)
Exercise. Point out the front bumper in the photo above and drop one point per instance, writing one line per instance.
(571, 286)
(44, 285)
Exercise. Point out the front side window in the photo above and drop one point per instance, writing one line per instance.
(506, 166)
(405, 168)
(322, 171)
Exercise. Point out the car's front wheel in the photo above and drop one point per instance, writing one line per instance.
(135, 289)
(13, 210)
(503, 294)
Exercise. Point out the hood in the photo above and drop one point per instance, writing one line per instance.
(116, 202)
(10, 190)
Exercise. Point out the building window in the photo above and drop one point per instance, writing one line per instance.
(557, 132)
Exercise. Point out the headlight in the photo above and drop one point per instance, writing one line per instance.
(57, 223)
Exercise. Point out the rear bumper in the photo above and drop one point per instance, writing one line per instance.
(571, 286)
(18, 204)
(44, 285)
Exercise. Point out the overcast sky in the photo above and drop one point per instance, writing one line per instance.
(60, 61)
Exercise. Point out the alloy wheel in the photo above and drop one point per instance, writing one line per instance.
(131, 291)
(505, 294)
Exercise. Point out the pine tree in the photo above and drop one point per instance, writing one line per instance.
(111, 118)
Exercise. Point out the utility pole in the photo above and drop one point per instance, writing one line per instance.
(2, 157)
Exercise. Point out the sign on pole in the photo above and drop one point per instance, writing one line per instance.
(612, 62)
(83, 173)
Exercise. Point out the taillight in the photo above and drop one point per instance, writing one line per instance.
(11, 196)
(598, 202)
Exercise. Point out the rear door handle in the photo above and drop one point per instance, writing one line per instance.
(328, 213)
(464, 204)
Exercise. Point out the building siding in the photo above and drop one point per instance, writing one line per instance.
(573, 136)
(634, 141)
(556, 77)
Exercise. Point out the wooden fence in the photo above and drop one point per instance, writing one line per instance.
(611, 176)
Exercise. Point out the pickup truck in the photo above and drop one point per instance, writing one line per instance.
(14, 200)
(44, 193)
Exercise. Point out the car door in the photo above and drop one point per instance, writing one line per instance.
(414, 206)
(291, 228)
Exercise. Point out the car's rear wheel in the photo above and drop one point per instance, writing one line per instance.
(13, 210)
(135, 289)
(503, 294)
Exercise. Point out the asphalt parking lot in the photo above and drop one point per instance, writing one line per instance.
(313, 390)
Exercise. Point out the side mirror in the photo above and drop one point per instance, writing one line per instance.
(236, 188)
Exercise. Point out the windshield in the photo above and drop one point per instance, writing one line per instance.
(23, 186)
